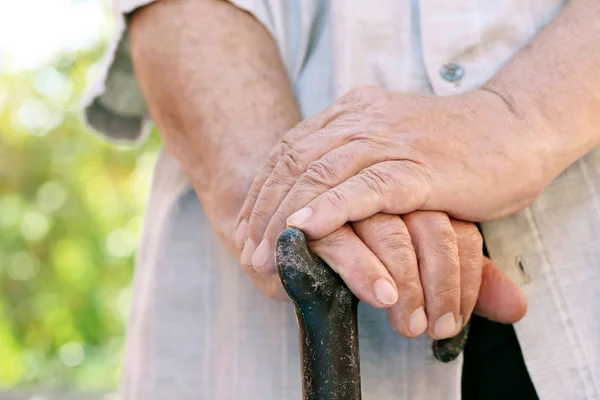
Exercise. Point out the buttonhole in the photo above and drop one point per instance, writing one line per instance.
(522, 270)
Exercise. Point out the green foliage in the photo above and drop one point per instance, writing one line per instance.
(70, 217)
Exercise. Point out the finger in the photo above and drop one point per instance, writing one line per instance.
(388, 238)
(500, 299)
(393, 187)
(437, 254)
(470, 255)
(364, 274)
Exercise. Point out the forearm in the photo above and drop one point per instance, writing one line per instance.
(555, 82)
(217, 90)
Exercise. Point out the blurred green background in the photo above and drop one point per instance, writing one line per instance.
(71, 205)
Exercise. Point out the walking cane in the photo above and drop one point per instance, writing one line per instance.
(326, 311)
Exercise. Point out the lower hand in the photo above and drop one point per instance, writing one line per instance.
(425, 268)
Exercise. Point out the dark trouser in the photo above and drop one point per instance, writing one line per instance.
(493, 364)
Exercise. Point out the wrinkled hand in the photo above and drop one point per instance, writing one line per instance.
(472, 156)
(426, 268)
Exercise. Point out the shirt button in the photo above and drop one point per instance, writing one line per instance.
(452, 72)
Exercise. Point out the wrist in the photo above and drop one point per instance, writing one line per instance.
(553, 83)
(532, 130)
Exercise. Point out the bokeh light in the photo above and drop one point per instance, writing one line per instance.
(71, 205)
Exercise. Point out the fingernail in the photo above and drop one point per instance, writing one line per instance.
(240, 234)
(299, 217)
(261, 255)
(417, 323)
(246, 257)
(385, 292)
(445, 326)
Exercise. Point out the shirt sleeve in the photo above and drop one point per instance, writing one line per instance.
(114, 105)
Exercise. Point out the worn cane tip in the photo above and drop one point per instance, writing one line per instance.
(291, 237)
(291, 251)
(304, 276)
(446, 350)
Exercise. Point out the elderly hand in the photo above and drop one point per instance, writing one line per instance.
(378, 257)
(473, 156)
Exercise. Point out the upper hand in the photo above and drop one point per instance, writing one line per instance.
(374, 151)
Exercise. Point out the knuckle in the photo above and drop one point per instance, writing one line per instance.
(471, 235)
(383, 110)
(377, 181)
(336, 198)
(469, 295)
(287, 142)
(354, 93)
(361, 92)
(393, 236)
(444, 234)
(298, 131)
(290, 157)
(368, 90)
(277, 152)
(282, 147)
(445, 254)
(359, 268)
(292, 161)
(321, 174)
(305, 185)
(274, 157)
(450, 290)
(397, 235)
(410, 290)
(415, 181)
(336, 239)
(470, 245)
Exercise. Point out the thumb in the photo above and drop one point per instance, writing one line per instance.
(500, 299)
